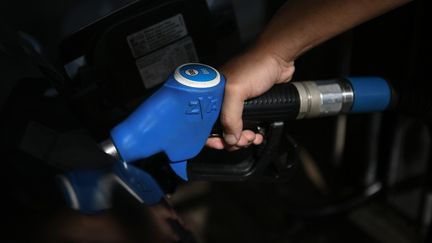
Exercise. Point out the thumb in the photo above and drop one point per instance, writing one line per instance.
(231, 116)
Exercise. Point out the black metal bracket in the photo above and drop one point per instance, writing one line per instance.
(267, 162)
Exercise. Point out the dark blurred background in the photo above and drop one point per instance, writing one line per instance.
(361, 178)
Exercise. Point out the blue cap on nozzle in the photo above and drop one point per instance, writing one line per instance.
(370, 94)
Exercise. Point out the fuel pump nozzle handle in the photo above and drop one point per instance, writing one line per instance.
(178, 118)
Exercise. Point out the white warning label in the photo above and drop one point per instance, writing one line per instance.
(157, 35)
(155, 67)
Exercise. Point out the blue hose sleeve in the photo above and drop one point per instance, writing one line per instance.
(371, 94)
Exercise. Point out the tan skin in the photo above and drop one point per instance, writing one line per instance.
(297, 27)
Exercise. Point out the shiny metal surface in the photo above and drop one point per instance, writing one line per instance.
(109, 148)
(324, 98)
(347, 94)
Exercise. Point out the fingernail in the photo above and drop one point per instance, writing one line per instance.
(230, 139)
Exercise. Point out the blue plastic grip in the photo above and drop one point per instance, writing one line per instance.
(370, 94)
(90, 191)
(83, 190)
(177, 119)
(139, 183)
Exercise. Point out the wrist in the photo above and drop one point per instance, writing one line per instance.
(285, 68)
(281, 62)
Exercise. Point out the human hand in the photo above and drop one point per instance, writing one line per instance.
(247, 76)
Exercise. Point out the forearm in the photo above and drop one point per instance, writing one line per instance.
(297, 27)
(302, 24)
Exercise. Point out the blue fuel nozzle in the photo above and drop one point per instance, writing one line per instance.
(176, 120)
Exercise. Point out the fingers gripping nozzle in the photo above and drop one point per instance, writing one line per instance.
(178, 118)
